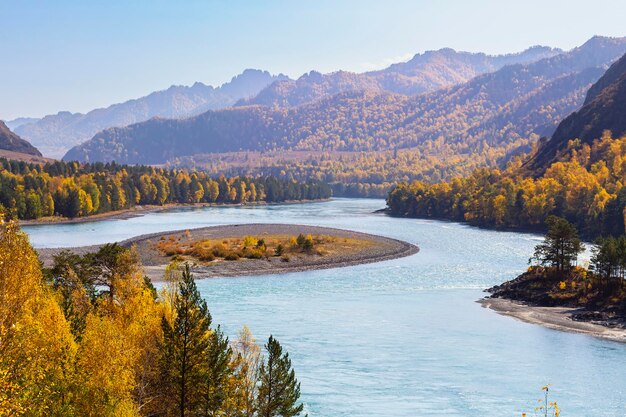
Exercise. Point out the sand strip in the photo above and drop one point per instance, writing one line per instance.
(556, 318)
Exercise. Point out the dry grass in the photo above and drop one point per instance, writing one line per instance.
(257, 247)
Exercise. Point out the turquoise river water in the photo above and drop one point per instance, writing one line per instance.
(396, 338)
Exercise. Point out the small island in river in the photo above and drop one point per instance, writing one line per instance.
(561, 295)
(255, 249)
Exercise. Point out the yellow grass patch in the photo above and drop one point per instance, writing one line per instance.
(266, 245)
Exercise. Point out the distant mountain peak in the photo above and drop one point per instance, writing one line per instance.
(425, 72)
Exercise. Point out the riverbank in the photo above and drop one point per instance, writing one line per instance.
(138, 211)
(556, 318)
(378, 249)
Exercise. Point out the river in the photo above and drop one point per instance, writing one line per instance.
(397, 338)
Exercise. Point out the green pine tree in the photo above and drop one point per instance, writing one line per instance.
(185, 346)
(561, 246)
(217, 373)
(280, 390)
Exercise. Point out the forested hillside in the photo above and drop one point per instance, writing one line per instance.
(579, 174)
(447, 132)
(604, 109)
(31, 191)
(55, 134)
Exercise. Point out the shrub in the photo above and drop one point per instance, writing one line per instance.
(170, 247)
(232, 256)
(279, 250)
(219, 250)
(308, 243)
(304, 242)
(285, 258)
(253, 254)
(249, 242)
(204, 254)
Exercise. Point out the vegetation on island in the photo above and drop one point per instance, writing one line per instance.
(184, 248)
(92, 337)
(556, 279)
(71, 189)
(249, 247)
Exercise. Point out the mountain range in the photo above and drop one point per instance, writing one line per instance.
(425, 72)
(521, 100)
(55, 134)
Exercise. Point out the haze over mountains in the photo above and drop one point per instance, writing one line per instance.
(55, 134)
(425, 72)
(518, 101)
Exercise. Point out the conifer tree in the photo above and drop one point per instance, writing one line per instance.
(216, 375)
(561, 245)
(279, 391)
(185, 345)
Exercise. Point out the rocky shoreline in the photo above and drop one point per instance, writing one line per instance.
(570, 302)
(381, 249)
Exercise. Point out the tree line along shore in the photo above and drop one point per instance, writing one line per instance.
(72, 190)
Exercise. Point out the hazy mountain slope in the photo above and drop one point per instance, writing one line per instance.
(15, 123)
(9, 141)
(604, 109)
(311, 87)
(433, 70)
(54, 134)
(425, 72)
(490, 110)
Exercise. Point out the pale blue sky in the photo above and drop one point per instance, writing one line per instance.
(77, 55)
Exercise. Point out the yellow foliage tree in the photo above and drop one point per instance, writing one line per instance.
(36, 345)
